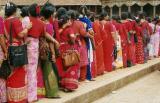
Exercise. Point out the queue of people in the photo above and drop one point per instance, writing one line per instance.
(65, 47)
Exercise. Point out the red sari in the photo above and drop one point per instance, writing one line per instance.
(108, 45)
(79, 29)
(124, 43)
(69, 79)
(139, 46)
(146, 31)
(133, 45)
(128, 28)
(98, 48)
(16, 82)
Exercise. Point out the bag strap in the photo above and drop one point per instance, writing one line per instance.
(10, 33)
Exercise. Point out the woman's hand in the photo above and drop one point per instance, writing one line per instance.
(29, 26)
(53, 59)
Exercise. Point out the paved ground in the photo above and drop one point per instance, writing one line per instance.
(144, 90)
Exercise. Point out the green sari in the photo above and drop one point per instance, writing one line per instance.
(50, 79)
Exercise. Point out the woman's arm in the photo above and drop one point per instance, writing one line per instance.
(51, 39)
(24, 32)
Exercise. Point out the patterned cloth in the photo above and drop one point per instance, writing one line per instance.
(40, 83)
(33, 54)
(3, 95)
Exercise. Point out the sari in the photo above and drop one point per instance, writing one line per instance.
(16, 82)
(69, 78)
(98, 48)
(50, 79)
(40, 83)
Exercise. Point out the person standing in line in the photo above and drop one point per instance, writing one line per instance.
(107, 32)
(16, 82)
(139, 45)
(49, 65)
(98, 46)
(81, 33)
(37, 31)
(83, 10)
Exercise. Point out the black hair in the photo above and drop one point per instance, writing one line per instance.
(124, 15)
(141, 15)
(96, 17)
(83, 10)
(103, 14)
(72, 14)
(61, 11)
(10, 9)
(130, 16)
(24, 12)
(116, 18)
(47, 10)
(63, 19)
(149, 19)
(137, 21)
(32, 10)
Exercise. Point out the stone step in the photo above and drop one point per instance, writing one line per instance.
(105, 84)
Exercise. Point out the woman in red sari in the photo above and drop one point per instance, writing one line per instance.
(98, 47)
(139, 45)
(16, 83)
(69, 81)
(80, 32)
(107, 32)
(146, 32)
(128, 29)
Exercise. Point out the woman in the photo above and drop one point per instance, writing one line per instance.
(118, 59)
(108, 32)
(16, 83)
(89, 40)
(155, 41)
(81, 33)
(146, 32)
(49, 64)
(37, 31)
(25, 16)
(3, 55)
(69, 81)
(139, 45)
(98, 46)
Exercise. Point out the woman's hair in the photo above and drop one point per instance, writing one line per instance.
(33, 10)
(10, 9)
(149, 19)
(141, 15)
(83, 10)
(130, 16)
(24, 12)
(124, 15)
(63, 20)
(72, 14)
(61, 11)
(116, 18)
(102, 15)
(47, 10)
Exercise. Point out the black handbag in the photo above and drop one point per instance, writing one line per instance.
(5, 69)
(17, 54)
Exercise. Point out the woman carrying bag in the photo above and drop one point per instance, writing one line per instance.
(16, 84)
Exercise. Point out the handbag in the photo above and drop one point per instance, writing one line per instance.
(43, 49)
(5, 69)
(70, 58)
(17, 54)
